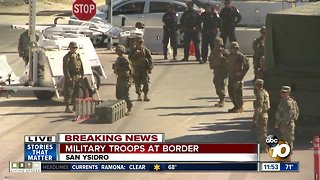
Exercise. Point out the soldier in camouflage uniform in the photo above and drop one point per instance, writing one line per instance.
(122, 67)
(238, 67)
(258, 51)
(73, 73)
(260, 117)
(286, 115)
(24, 46)
(218, 62)
(142, 63)
(262, 68)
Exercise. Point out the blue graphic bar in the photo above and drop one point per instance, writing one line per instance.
(289, 166)
(40, 152)
(138, 167)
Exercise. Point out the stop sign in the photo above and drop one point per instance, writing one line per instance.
(84, 9)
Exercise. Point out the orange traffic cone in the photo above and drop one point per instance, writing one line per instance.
(191, 49)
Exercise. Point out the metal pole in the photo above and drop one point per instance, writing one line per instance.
(32, 34)
(109, 40)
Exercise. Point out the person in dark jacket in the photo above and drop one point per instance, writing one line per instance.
(230, 17)
(210, 26)
(191, 26)
(170, 19)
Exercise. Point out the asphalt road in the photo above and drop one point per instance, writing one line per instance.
(182, 98)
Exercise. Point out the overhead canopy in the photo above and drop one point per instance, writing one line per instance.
(293, 39)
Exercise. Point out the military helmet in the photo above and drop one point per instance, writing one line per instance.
(234, 44)
(120, 48)
(73, 44)
(259, 82)
(263, 29)
(219, 41)
(227, 1)
(286, 89)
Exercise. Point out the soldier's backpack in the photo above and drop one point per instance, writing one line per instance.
(295, 109)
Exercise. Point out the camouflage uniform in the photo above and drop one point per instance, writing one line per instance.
(260, 117)
(262, 68)
(218, 62)
(142, 66)
(258, 49)
(24, 46)
(286, 114)
(73, 71)
(122, 67)
(238, 66)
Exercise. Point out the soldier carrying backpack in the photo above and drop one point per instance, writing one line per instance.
(261, 106)
(286, 114)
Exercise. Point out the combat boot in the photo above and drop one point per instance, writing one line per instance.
(232, 110)
(139, 97)
(239, 110)
(220, 103)
(128, 113)
(68, 110)
(145, 98)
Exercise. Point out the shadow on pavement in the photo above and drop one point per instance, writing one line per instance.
(30, 103)
(61, 118)
(178, 107)
(236, 130)
(194, 113)
(27, 113)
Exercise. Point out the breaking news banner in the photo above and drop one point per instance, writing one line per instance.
(158, 152)
(129, 167)
(111, 138)
(279, 166)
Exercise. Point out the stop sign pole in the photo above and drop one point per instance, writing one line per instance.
(84, 9)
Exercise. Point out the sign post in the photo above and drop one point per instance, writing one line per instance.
(84, 9)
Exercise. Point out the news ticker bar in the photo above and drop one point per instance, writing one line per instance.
(141, 152)
(154, 167)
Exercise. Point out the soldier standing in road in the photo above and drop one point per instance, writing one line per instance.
(73, 73)
(260, 117)
(238, 66)
(230, 17)
(191, 25)
(218, 62)
(286, 114)
(211, 22)
(122, 67)
(170, 19)
(142, 63)
(258, 51)
(24, 46)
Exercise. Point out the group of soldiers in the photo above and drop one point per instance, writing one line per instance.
(229, 67)
(136, 68)
(195, 25)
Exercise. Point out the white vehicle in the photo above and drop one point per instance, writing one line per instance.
(149, 12)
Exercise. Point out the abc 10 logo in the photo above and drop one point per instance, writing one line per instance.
(279, 150)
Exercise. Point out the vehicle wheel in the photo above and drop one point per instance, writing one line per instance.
(97, 78)
(44, 95)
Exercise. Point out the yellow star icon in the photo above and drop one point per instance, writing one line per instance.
(156, 167)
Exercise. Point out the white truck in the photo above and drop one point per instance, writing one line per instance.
(45, 74)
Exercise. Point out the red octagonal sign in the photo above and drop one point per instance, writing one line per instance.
(84, 9)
